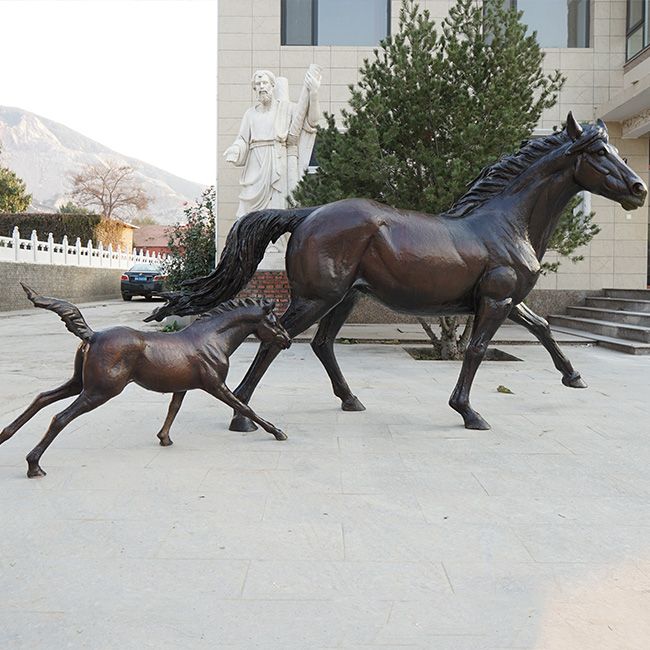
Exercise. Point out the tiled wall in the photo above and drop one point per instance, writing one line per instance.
(249, 38)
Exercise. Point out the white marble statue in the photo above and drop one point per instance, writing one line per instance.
(275, 141)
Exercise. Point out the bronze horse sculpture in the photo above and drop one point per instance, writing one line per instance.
(481, 257)
(108, 360)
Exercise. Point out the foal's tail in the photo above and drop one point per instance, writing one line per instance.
(244, 250)
(68, 312)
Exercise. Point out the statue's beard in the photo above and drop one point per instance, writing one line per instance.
(264, 96)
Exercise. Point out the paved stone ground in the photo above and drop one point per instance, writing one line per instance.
(390, 528)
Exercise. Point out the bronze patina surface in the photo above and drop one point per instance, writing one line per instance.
(481, 257)
(195, 357)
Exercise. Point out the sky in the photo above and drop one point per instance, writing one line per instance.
(138, 76)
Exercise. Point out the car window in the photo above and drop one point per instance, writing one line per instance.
(139, 268)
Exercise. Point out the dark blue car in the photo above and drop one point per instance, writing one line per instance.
(142, 280)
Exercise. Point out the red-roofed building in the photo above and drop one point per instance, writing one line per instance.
(154, 239)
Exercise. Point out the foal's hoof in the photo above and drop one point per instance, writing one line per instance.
(279, 434)
(242, 423)
(352, 404)
(35, 472)
(574, 381)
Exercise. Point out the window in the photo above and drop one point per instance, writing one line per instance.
(335, 22)
(558, 23)
(636, 27)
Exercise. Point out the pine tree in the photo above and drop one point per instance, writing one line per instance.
(432, 108)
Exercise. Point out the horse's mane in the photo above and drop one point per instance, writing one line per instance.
(235, 303)
(496, 177)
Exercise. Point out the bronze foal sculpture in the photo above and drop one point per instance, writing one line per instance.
(481, 257)
(195, 357)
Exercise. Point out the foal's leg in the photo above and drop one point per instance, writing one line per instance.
(174, 405)
(71, 387)
(534, 323)
(300, 314)
(84, 403)
(222, 392)
(323, 346)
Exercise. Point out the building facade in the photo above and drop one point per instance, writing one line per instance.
(601, 46)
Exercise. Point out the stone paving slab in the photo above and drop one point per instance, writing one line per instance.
(391, 528)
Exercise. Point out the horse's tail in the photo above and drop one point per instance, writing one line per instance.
(68, 312)
(244, 250)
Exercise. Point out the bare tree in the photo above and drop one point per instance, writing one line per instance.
(109, 188)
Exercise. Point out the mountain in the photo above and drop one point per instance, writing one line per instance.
(43, 153)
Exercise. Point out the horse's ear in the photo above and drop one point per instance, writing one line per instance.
(573, 129)
(268, 305)
(601, 125)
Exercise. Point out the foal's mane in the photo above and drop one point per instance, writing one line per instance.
(232, 305)
(496, 177)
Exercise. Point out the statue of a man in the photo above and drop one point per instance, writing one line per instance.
(275, 141)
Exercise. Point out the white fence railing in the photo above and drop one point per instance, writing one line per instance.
(34, 251)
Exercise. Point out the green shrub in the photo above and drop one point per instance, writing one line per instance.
(72, 225)
(191, 245)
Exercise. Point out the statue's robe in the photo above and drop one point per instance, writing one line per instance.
(274, 152)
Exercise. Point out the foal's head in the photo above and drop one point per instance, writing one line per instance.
(599, 169)
(256, 316)
(269, 329)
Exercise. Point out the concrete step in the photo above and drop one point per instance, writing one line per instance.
(612, 343)
(604, 328)
(623, 304)
(611, 315)
(629, 294)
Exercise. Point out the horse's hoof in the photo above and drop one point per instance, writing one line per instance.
(352, 404)
(476, 422)
(36, 472)
(242, 423)
(166, 442)
(574, 381)
(279, 434)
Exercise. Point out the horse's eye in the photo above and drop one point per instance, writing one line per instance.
(602, 152)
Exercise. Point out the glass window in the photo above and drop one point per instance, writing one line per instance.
(635, 42)
(638, 37)
(634, 12)
(360, 22)
(335, 22)
(297, 22)
(558, 23)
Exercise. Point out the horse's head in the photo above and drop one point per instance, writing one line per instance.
(269, 329)
(599, 169)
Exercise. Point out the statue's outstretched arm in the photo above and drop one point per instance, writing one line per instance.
(237, 152)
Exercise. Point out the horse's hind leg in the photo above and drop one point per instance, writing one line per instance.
(84, 403)
(538, 326)
(222, 392)
(71, 387)
(323, 346)
(175, 404)
(300, 314)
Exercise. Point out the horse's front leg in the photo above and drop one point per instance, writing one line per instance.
(494, 305)
(538, 326)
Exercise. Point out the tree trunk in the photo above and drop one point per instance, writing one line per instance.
(448, 346)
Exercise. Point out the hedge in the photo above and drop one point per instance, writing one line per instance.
(72, 225)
